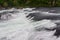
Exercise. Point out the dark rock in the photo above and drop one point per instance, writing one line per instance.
(57, 33)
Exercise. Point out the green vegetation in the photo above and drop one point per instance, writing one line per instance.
(29, 3)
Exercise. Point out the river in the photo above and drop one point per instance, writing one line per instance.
(29, 24)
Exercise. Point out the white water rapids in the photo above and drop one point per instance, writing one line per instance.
(18, 27)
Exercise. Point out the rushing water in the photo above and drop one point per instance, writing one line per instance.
(15, 25)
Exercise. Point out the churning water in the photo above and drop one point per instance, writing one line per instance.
(15, 25)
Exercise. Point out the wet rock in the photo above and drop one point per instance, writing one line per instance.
(57, 33)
